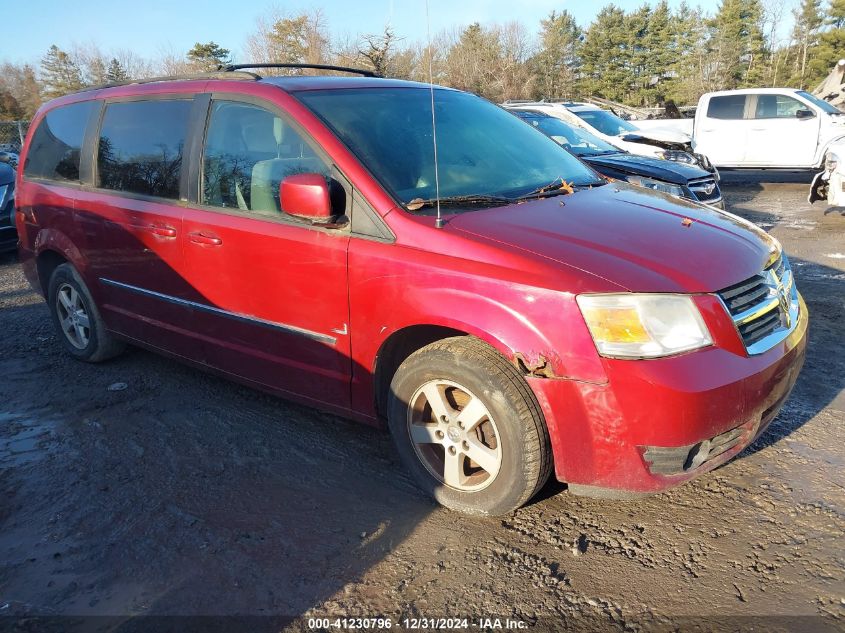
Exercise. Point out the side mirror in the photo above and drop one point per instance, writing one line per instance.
(306, 196)
(804, 114)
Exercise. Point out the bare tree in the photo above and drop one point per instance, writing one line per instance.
(513, 75)
(377, 50)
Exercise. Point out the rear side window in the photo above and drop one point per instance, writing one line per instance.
(56, 145)
(141, 147)
(726, 107)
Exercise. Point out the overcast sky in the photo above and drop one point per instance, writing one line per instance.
(153, 26)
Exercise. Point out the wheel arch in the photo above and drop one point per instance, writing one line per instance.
(399, 346)
(45, 263)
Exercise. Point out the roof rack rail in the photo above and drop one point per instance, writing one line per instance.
(344, 69)
(192, 77)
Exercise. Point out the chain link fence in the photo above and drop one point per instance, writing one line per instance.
(12, 134)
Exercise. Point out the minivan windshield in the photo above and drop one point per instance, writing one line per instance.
(484, 154)
(821, 103)
(606, 122)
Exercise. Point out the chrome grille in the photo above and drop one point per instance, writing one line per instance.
(705, 189)
(764, 307)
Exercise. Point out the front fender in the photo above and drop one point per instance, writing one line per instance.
(838, 141)
(540, 331)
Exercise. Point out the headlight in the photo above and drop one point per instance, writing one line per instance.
(643, 325)
(657, 185)
(3, 195)
(831, 160)
(678, 156)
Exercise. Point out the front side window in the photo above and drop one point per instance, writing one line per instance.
(777, 107)
(141, 147)
(726, 107)
(248, 152)
(481, 148)
(57, 143)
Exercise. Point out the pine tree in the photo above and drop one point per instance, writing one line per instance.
(115, 72)
(831, 45)
(60, 75)
(604, 55)
(555, 65)
(690, 54)
(208, 56)
(737, 45)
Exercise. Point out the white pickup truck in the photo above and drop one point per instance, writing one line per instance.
(762, 128)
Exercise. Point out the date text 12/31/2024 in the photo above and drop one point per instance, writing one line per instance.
(417, 624)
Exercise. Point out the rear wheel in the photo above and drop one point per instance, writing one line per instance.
(468, 427)
(76, 318)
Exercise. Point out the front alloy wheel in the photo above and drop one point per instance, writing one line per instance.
(454, 435)
(468, 427)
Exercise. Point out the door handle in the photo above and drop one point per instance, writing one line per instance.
(202, 238)
(161, 230)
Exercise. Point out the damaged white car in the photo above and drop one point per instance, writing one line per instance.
(829, 185)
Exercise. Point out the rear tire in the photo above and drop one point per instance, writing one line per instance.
(77, 319)
(468, 427)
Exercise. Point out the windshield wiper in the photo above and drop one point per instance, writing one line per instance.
(565, 188)
(452, 201)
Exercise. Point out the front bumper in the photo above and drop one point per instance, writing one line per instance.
(828, 186)
(658, 423)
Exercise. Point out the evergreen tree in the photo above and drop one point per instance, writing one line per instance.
(208, 56)
(737, 45)
(555, 65)
(604, 55)
(660, 52)
(60, 75)
(115, 72)
(831, 44)
(690, 56)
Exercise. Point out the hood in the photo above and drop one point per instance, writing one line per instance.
(7, 174)
(665, 170)
(661, 137)
(631, 237)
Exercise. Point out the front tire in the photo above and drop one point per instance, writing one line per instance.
(468, 427)
(77, 319)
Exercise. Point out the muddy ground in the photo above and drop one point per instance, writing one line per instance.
(185, 494)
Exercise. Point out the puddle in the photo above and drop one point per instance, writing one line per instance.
(24, 440)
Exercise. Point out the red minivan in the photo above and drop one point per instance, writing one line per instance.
(495, 303)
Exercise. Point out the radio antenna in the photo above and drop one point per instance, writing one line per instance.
(439, 221)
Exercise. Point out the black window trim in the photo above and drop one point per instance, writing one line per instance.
(183, 181)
